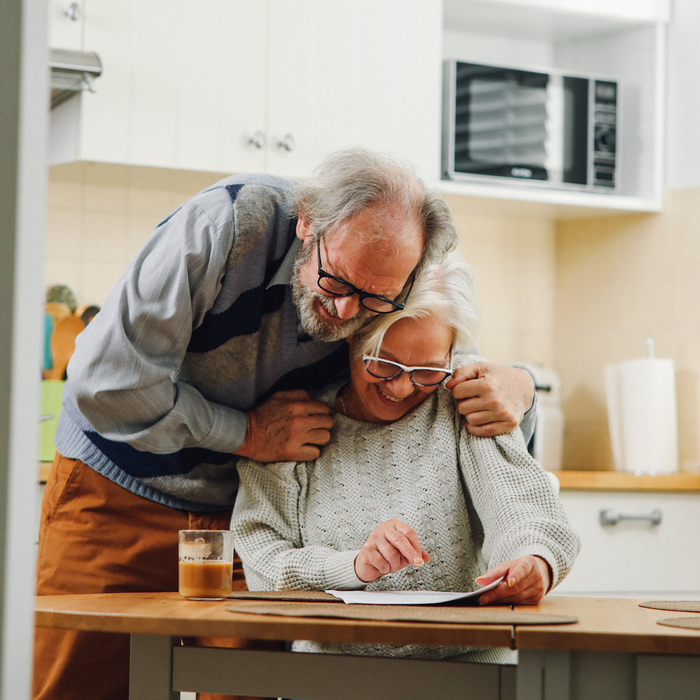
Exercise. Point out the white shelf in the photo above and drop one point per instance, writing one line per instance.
(621, 39)
(558, 205)
(554, 21)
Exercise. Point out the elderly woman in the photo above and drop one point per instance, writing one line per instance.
(403, 496)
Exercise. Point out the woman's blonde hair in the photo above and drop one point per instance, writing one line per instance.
(446, 291)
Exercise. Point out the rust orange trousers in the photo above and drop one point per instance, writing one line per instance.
(96, 537)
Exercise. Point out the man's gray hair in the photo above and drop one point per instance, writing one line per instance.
(348, 181)
(445, 291)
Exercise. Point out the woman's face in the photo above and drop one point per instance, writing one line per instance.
(412, 342)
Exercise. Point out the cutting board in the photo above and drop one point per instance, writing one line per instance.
(65, 331)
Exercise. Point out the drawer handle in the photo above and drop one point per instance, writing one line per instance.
(609, 516)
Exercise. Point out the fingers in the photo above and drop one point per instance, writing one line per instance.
(404, 538)
(493, 574)
(287, 427)
(299, 403)
(491, 429)
(468, 372)
(486, 405)
(526, 582)
(492, 395)
(391, 546)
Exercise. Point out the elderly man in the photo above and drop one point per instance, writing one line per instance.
(236, 306)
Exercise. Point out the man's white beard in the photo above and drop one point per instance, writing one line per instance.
(316, 326)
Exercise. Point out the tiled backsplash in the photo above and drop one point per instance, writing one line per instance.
(99, 216)
(618, 280)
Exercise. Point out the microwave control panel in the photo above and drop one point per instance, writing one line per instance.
(604, 137)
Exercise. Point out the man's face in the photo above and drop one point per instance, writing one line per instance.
(357, 254)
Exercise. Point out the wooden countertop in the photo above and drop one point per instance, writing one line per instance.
(605, 624)
(169, 613)
(620, 481)
(608, 624)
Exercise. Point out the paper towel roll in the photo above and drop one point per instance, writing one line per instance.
(641, 398)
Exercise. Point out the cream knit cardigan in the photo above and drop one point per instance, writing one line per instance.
(474, 503)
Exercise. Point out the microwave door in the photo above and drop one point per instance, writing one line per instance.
(575, 131)
(558, 157)
(501, 123)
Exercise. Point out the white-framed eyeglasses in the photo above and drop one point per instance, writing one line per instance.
(420, 376)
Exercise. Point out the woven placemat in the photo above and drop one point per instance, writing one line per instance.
(298, 596)
(674, 605)
(496, 615)
(691, 623)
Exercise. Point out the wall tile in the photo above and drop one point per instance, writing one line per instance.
(64, 234)
(105, 198)
(105, 236)
(98, 279)
(619, 279)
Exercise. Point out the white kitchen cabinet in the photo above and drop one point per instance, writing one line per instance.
(635, 557)
(66, 24)
(188, 85)
(364, 73)
(622, 39)
(180, 86)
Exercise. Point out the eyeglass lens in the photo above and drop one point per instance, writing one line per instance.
(388, 370)
(339, 288)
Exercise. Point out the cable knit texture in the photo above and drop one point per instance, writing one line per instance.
(474, 502)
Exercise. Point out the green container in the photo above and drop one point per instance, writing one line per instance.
(51, 392)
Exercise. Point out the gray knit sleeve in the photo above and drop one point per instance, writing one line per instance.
(268, 539)
(519, 512)
(120, 374)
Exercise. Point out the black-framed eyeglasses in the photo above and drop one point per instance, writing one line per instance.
(338, 287)
(421, 376)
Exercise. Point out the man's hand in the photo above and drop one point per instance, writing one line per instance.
(286, 428)
(526, 582)
(493, 398)
(391, 546)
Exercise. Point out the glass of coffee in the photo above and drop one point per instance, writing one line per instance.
(205, 564)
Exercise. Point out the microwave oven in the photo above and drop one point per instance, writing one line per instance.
(549, 129)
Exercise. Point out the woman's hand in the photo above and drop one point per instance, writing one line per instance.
(526, 581)
(391, 546)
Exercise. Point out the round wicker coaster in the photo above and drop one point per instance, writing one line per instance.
(691, 623)
(494, 615)
(674, 605)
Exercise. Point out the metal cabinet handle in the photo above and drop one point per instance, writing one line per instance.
(73, 12)
(288, 143)
(257, 139)
(609, 516)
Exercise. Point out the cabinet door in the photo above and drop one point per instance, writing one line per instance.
(183, 83)
(634, 556)
(353, 74)
(66, 24)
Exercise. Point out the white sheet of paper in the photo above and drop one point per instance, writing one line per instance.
(407, 597)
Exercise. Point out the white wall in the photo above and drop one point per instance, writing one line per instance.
(683, 100)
